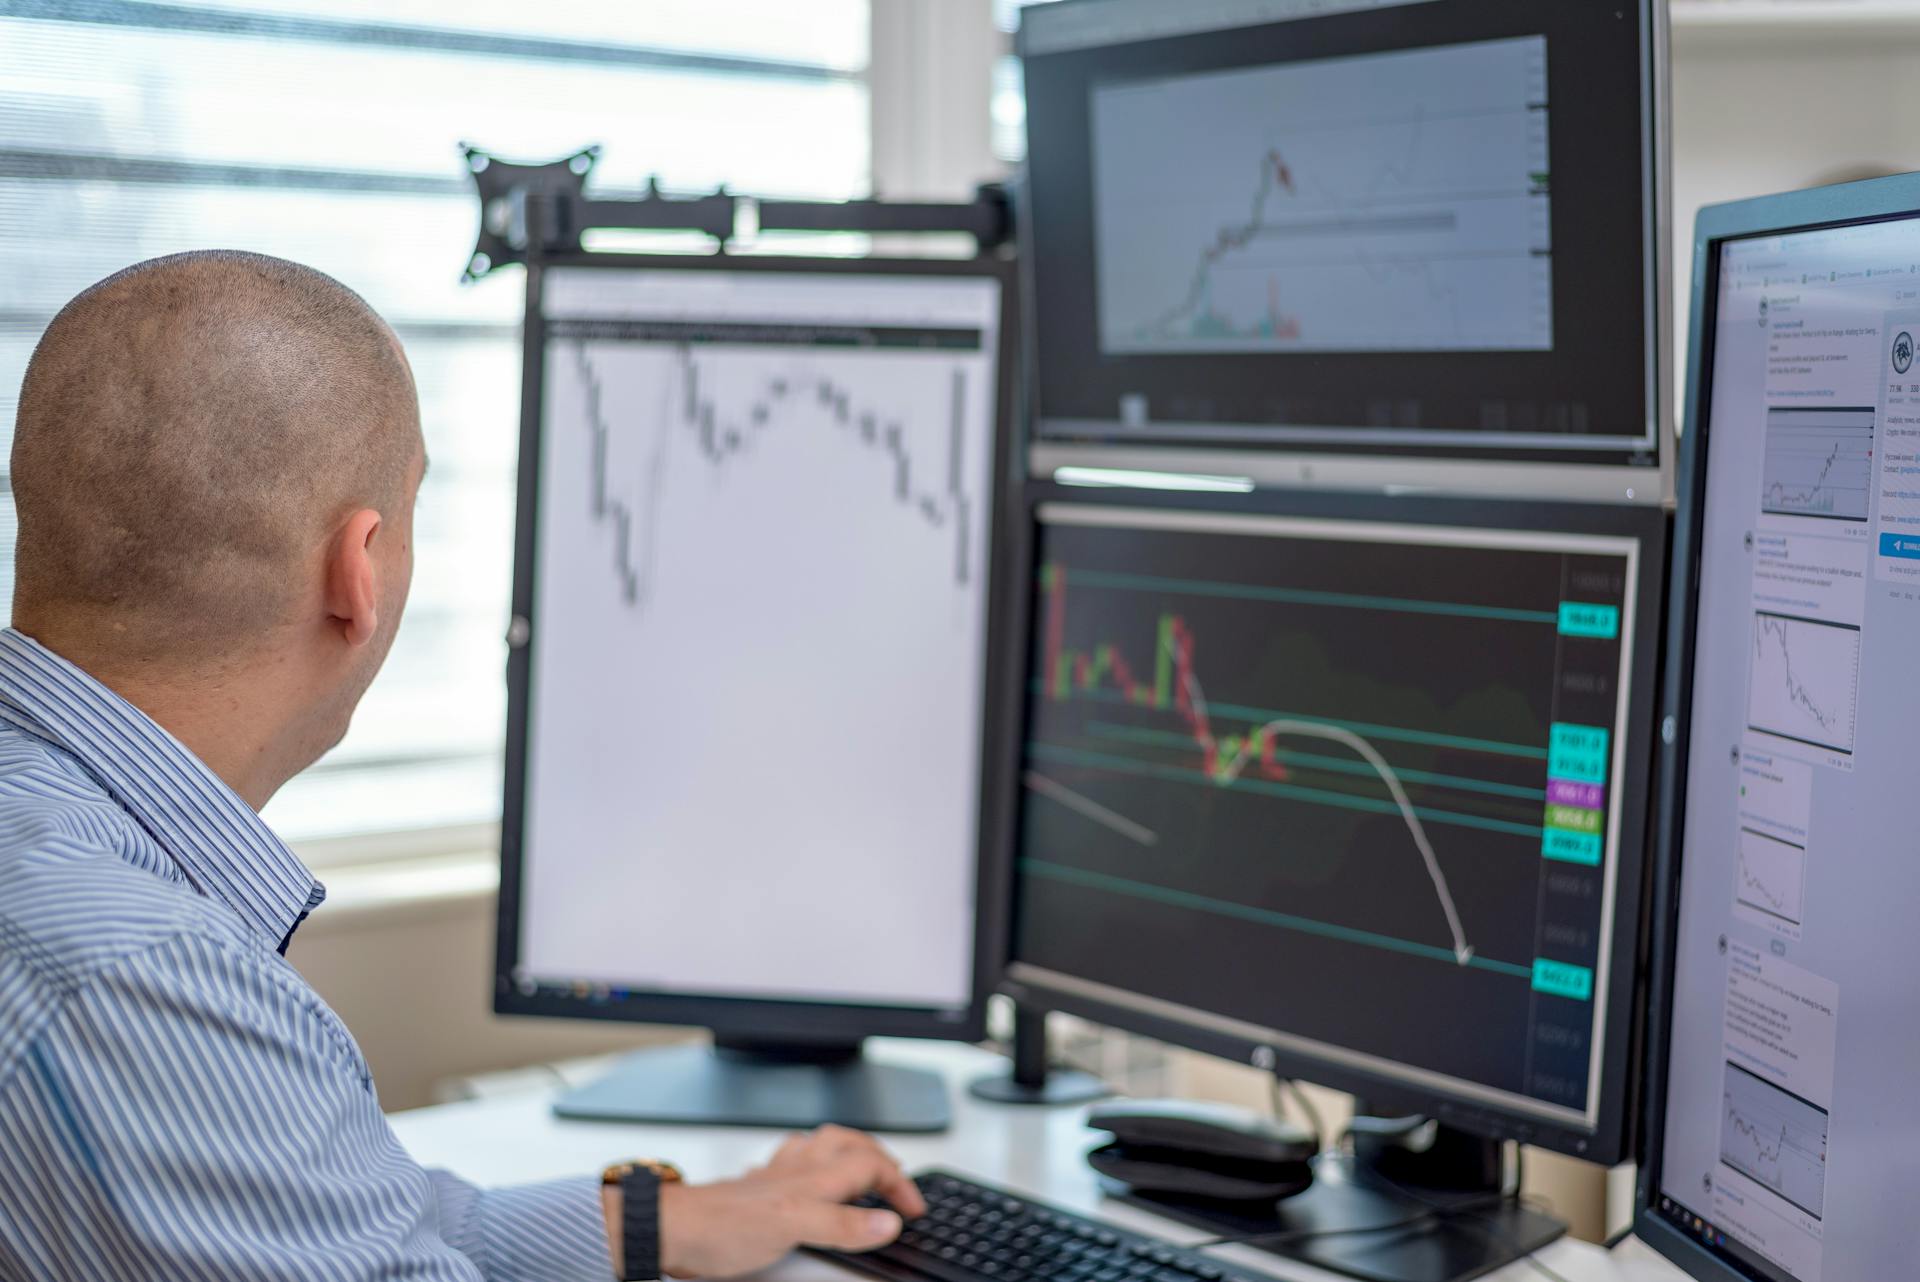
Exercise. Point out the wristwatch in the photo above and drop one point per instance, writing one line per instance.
(639, 1183)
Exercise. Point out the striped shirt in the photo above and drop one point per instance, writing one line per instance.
(175, 1101)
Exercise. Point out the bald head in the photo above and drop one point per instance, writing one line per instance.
(190, 431)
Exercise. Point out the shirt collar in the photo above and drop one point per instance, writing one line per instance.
(218, 841)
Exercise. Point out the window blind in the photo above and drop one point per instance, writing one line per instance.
(327, 133)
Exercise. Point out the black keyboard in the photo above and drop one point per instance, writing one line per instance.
(973, 1233)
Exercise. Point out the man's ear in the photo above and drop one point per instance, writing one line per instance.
(353, 581)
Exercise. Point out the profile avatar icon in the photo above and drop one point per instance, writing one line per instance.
(1902, 352)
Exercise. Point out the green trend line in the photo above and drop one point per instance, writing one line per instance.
(1339, 765)
(1262, 916)
(1305, 596)
(1398, 734)
(1291, 791)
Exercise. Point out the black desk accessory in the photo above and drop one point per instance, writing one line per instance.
(1204, 1152)
(1416, 1201)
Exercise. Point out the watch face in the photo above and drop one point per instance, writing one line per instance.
(665, 1172)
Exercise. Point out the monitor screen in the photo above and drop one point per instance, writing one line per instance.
(1416, 227)
(758, 635)
(1791, 1139)
(1358, 791)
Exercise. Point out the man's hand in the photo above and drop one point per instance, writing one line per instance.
(798, 1199)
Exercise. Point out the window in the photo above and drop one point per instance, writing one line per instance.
(1009, 88)
(326, 131)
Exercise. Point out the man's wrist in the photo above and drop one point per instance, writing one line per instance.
(672, 1225)
(611, 1204)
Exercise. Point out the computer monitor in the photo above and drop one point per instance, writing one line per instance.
(1332, 236)
(1355, 789)
(755, 619)
(1783, 1140)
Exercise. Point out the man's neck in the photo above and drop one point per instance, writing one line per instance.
(223, 713)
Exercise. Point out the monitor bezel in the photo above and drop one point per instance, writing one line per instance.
(1611, 1138)
(764, 1019)
(1455, 467)
(1841, 205)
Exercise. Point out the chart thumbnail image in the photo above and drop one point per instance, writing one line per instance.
(1818, 463)
(1772, 876)
(1805, 680)
(1775, 1138)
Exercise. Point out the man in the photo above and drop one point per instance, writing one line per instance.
(215, 466)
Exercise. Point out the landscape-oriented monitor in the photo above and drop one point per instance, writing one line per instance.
(1347, 226)
(1784, 1142)
(755, 609)
(1354, 788)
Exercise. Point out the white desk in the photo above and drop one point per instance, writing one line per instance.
(1031, 1150)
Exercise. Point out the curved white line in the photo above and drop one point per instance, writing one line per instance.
(1462, 951)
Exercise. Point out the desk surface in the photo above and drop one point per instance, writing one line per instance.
(1032, 1150)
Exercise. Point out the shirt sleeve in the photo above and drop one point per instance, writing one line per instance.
(554, 1230)
(195, 1111)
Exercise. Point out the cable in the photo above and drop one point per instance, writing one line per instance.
(1468, 1217)
(1464, 1214)
(1528, 1258)
(1279, 1089)
(1307, 1107)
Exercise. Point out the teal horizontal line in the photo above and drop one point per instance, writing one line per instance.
(1262, 916)
(1340, 765)
(1303, 596)
(1291, 791)
(1399, 734)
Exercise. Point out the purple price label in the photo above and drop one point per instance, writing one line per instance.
(1587, 796)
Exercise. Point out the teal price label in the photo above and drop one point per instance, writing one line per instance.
(1581, 619)
(1578, 753)
(1571, 847)
(1562, 979)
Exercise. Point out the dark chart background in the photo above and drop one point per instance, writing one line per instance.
(1594, 382)
(1273, 879)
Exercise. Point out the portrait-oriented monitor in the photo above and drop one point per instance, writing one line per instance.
(1357, 227)
(1784, 1141)
(754, 624)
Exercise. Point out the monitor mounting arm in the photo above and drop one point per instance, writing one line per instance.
(542, 209)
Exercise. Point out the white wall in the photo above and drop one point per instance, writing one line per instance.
(1768, 106)
(413, 982)
(931, 80)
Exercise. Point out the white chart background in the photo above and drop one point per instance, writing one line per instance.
(759, 778)
(1805, 680)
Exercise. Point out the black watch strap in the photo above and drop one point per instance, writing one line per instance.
(640, 1225)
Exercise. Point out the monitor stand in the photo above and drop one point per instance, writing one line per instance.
(1032, 1078)
(1351, 1193)
(740, 1082)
